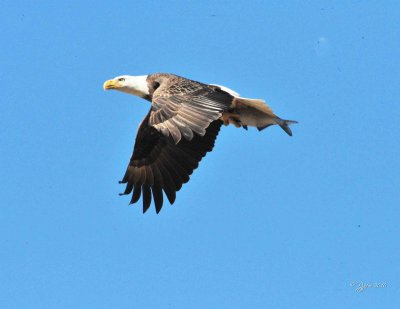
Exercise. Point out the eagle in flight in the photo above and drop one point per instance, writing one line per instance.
(181, 127)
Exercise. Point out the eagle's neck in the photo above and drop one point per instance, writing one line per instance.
(137, 85)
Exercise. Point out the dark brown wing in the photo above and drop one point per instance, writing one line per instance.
(158, 164)
(182, 107)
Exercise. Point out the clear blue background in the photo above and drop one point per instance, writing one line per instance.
(267, 221)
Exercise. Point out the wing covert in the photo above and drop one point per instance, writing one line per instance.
(183, 113)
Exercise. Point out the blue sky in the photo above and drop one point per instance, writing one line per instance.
(267, 221)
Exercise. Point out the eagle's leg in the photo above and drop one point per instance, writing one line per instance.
(231, 118)
(225, 118)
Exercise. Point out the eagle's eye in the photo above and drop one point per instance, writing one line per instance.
(156, 85)
(121, 79)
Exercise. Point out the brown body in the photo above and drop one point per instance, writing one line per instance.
(180, 128)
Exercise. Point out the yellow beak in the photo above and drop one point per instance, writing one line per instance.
(110, 84)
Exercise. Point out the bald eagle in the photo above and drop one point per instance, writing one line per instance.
(181, 127)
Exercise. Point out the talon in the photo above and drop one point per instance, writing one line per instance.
(230, 118)
(225, 118)
(236, 123)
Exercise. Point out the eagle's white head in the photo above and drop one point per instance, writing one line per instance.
(136, 85)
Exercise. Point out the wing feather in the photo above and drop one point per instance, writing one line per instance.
(158, 197)
(146, 197)
(158, 164)
(136, 194)
(169, 185)
(189, 106)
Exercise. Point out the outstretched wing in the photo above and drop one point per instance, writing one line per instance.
(186, 108)
(158, 164)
